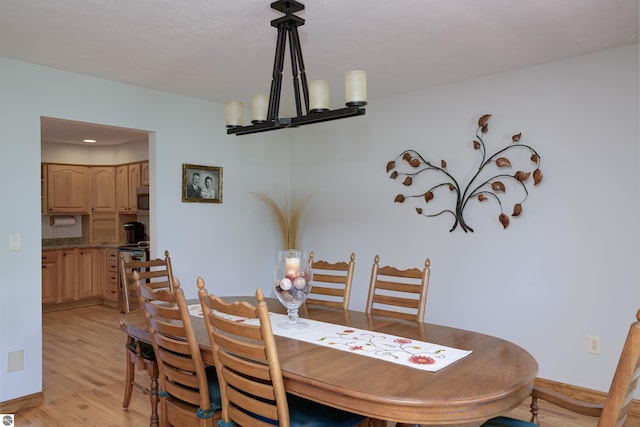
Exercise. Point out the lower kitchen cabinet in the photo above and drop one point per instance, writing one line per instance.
(79, 273)
(51, 276)
(87, 273)
(68, 264)
(111, 279)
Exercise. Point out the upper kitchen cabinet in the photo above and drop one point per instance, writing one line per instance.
(128, 179)
(103, 189)
(144, 166)
(67, 189)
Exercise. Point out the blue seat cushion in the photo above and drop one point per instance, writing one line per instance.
(214, 388)
(306, 413)
(506, 422)
(146, 350)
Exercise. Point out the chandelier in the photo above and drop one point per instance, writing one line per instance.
(315, 93)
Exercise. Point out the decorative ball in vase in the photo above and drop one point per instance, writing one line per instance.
(292, 279)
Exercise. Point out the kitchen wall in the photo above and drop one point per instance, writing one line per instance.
(561, 272)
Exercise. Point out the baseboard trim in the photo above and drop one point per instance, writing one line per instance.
(48, 308)
(21, 403)
(589, 395)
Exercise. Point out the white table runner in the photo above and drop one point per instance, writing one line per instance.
(404, 351)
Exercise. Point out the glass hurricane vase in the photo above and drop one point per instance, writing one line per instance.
(292, 279)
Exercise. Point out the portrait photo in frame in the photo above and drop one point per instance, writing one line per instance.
(201, 184)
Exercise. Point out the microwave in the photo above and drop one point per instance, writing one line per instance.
(142, 197)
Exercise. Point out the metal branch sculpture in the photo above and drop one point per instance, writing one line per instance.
(478, 188)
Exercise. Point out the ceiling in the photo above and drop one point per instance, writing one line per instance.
(223, 49)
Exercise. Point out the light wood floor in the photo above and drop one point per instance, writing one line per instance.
(84, 359)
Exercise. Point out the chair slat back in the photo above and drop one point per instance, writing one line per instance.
(331, 282)
(157, 273)
(246, 360)
(180, 365)
(398, 293)
(625, 380)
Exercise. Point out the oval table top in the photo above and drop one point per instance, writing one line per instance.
(495, 378)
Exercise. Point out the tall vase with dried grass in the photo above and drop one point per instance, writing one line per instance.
(288, 214)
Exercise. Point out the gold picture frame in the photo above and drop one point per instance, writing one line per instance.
(201, 184)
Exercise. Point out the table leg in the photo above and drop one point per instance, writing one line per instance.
(153, 396)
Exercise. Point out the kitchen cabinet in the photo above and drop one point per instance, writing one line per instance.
(144, 172)
(75, 274)
(68, 290)
(67, 189)
(128, 179)
(102, 228)
(43, 189)
(103, 189)
(87, 273)
(111, 279)
(50, 277)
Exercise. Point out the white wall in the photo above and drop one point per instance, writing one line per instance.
(562, 271)
(204, 239)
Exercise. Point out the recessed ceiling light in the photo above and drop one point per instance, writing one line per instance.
(89, 141)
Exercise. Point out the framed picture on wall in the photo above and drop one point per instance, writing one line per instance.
(201, 184)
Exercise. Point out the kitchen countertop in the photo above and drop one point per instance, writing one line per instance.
(75, 242)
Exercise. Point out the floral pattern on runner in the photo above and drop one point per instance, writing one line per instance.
(384, 346)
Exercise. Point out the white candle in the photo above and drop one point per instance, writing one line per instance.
(355, 87)
(234, 113)
(259, 107)
(318, 95)
(292, 268)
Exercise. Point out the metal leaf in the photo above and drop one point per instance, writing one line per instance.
(414, 162)
(516, 137)
(428, 196)
(476, 145)
(482, 197)
(485, 129)
(406, 156)
(498, 186)
(408, 181)
(419, 210)
(535, 158)
(504, 220)
(451, 187)
(482, 121)
(537, 177)
(399, 198)
(443, 164)
(522, 176)
(391, 165)
(393, 175)
(503, 162)
(517, 209)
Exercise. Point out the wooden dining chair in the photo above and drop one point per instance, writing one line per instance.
(398, 293)
(189, 393)
(613, 412)
(251, 382)
(331, 282)
(140, 356)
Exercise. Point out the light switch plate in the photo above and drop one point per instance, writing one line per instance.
(15, 241)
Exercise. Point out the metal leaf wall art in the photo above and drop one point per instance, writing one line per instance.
(489, 183)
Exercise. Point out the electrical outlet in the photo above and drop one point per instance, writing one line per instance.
(15, 361)
(594, 344)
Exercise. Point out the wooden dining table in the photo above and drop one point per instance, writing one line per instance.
(496, 377)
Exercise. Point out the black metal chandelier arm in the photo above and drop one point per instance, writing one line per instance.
(296, 55)
(276, 81)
